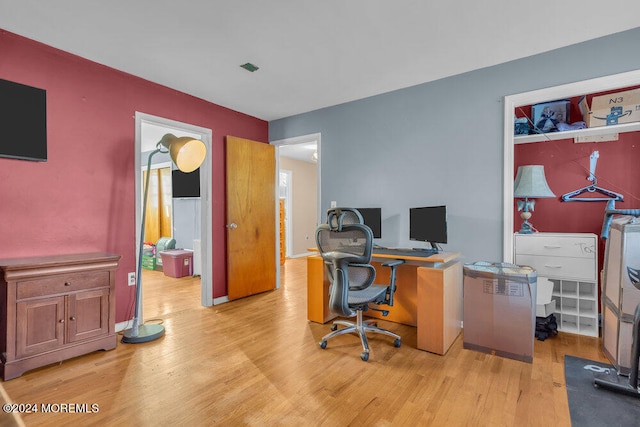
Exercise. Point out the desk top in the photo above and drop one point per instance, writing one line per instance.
(439, 257)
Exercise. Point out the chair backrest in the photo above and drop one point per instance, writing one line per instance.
(345, 244)
(345, 232)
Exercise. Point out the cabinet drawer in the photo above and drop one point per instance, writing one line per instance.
(566, 268)
(62, 284)
(561, 246)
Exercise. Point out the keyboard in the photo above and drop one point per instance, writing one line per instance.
(423, 253)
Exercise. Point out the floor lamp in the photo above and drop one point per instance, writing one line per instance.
(188, 154)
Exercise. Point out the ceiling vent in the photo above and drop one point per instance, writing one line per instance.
(249, 67)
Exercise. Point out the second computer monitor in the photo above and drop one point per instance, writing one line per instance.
(428, 224)
(373, 219)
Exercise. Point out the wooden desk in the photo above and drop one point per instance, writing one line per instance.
(428, 296)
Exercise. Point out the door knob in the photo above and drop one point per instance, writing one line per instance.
(232, 226)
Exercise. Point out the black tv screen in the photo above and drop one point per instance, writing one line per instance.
(373, 219)
(23, 122)
(185, 184)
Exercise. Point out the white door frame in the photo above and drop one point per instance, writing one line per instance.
(288, 220)
(205, 193)
(303, 139)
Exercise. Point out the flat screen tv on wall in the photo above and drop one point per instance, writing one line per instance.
(185, 185)
(23, 122)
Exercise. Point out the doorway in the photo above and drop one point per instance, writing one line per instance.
(298, 168)
(149, 130)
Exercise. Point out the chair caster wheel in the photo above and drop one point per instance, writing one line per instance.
(397, 343)
(364, 356)
(322, 344)
(334, 327)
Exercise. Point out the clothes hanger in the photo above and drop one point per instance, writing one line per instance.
(593, 188)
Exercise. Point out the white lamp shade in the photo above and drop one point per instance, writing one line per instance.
(531, 183)
(187, 153)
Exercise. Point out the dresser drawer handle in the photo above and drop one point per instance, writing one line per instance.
(67, 283)
(552, 266)
(552, 246)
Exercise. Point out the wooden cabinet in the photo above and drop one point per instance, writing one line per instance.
(55, 308)
(570, 261)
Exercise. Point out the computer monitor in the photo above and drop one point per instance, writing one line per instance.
(373, 219)
(428, 224)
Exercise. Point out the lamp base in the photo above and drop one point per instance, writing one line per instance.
(526, 228)
(146, 333)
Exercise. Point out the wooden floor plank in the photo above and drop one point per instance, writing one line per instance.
(256, 362)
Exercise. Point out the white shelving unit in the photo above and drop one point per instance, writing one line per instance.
(601, 131)
(570, 261)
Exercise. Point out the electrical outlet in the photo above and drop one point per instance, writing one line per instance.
(132, 279)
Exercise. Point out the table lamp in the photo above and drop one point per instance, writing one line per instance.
(530, 184)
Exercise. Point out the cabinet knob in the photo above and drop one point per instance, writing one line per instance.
(61, 320)
(67, 283)
(72, 318)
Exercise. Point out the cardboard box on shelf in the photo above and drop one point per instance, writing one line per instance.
(612, 109)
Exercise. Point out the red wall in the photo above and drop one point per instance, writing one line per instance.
(82, 198)
(566, 166)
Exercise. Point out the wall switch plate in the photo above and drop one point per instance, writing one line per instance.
(334, 204)
(132, 279)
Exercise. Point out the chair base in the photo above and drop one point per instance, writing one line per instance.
(361, 327)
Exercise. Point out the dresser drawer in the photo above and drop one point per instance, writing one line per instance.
(556, 245)
(559, 267)
(59, 284)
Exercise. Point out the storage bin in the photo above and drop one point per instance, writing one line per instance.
(499, 315)
(149, 262)
(177, 263)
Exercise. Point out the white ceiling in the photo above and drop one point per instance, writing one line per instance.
(302, 151)
(311, 53)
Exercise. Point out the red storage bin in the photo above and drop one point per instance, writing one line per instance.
(177, 263)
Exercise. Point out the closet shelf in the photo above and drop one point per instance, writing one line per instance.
(596, 131)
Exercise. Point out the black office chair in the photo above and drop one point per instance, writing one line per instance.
(345, 245)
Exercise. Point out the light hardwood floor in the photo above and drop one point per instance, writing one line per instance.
(256, 362)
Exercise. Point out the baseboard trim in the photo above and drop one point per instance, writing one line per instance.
(220, 300)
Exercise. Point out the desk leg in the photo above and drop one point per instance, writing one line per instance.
(317, 291)
(439, 306)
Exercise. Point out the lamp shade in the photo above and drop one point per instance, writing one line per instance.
(531, 183)
(186, 152)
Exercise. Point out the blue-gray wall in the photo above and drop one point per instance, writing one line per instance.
(442, 142)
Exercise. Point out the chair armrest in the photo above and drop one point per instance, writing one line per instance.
(393, 263)
(392, 279)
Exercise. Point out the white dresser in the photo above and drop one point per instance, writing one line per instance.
(570, 261)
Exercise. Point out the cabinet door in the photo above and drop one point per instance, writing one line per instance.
(88, 314)
(39, 325)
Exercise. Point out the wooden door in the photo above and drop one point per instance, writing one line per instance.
(251, 220)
